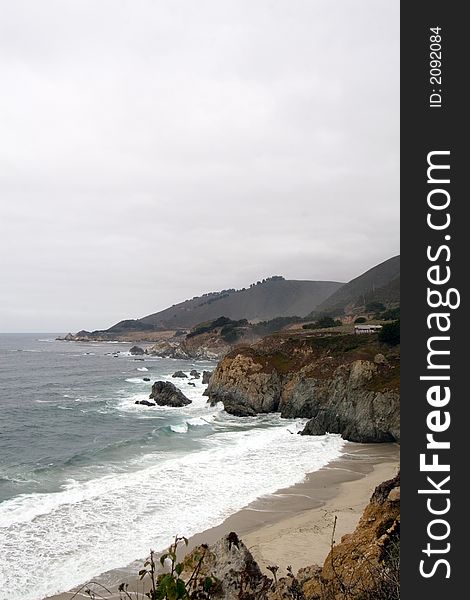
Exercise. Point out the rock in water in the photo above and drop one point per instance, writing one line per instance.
(145, 402)
(136, 351)
(206, 375)
(179, 374)
(166, 393)
(195, 374)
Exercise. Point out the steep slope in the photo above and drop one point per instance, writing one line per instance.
(381, 283)
(264, 301)
(347, 384)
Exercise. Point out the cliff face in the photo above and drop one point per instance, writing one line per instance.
(206, 346)
(365, 564)
(344, 384)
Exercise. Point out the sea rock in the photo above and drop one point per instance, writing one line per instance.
(238, 409)
(206, 375)
(180, 374)
(136, 351)
(195, 374)
(166, 393)
(206, 346)
(145, 402)
(169, 349)
(146, 378)
(191, 383)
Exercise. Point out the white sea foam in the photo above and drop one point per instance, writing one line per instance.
(181, 428)
(142, 369)
(68, 537)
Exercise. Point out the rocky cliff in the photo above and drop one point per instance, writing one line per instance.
(347, 384)
(207, 341)
(365, 565)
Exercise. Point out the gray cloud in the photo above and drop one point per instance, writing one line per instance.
(152, 150)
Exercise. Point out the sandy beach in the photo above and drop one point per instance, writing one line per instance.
(294, 525)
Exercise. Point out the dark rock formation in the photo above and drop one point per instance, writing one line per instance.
(146, 378)
(166, 393)
(195, 374)
(344, 384)
(191, 383)
(136, 351)
(206, 375)
(145, 402)
(238, 409)
(180, 374)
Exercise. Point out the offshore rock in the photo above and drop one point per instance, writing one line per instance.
(136, 351)
(145, 402)
(166, 393)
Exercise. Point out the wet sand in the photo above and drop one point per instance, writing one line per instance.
(294, 525)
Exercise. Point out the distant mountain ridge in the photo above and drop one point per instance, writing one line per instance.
(273, 297)
(379, 284)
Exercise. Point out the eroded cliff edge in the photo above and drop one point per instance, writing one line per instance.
(347, 384)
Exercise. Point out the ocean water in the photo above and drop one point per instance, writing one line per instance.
(90, 481)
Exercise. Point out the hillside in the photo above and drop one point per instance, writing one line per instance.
(380, 284)
(275, 297)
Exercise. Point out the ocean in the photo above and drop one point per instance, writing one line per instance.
(90, 481)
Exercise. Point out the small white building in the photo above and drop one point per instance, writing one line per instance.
(367, 328)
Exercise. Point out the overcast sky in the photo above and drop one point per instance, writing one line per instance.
(154, 150)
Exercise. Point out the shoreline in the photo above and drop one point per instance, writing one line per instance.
(293, 526)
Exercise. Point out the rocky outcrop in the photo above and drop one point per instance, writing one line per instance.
(204, 347)
(344, 384)
(364, 565)
(166, 393)
(180, 375)
(366, 562)
(232, 565)
(208, 341)
(169, 349)
(145, 403)
(195, 374)
(136, 351)
(82, 336)
(206, 375)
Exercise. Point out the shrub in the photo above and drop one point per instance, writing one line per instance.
(390, 333)
(360, 320)
(375, 307)
(322, 323)
(391, 314)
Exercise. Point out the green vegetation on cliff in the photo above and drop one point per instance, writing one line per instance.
(346, 384)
